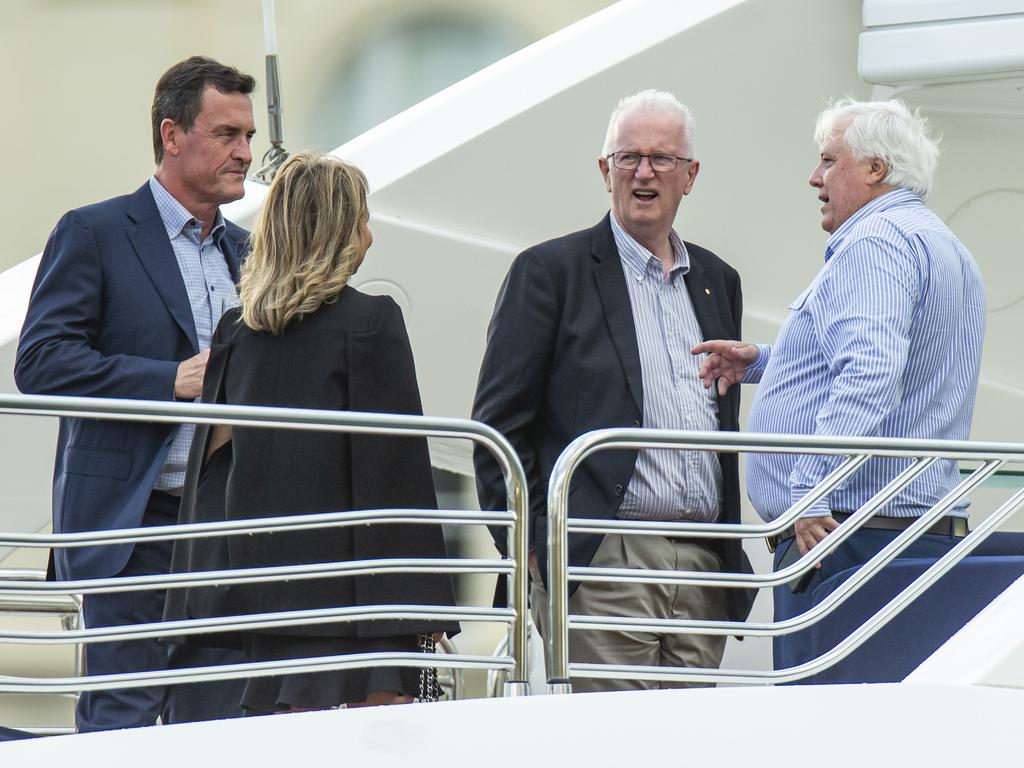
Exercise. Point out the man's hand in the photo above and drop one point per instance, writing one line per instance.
(188, 384)
(534, 567)
(811, 530)
(726, 361)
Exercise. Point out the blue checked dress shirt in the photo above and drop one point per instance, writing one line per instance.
(211, 292)
(886, 341)
(668, 484)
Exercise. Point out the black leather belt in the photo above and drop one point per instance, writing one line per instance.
(946, 526)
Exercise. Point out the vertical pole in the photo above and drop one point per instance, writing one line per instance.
(518, 581)
(557, 641)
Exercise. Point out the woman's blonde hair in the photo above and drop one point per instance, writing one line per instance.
(305, 241)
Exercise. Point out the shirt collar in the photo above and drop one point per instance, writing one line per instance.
(897, 197)
(176, 217)
(638, 258)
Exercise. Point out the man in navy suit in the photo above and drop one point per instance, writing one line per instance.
(124, 304)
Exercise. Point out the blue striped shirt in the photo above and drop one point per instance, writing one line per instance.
(886, 341)
(211, 292)
(668, 484)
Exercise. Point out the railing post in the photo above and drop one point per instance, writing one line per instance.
(557, 641)
(518, 581)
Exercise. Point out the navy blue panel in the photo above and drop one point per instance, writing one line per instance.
(906, 641)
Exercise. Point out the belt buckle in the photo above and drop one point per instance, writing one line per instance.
(772, 542)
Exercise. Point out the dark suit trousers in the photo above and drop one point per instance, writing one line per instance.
(132, 707)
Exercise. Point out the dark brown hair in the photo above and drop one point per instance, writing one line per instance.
(179, 93)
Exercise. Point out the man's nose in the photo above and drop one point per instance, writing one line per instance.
(644, 169)
(243, 151)
(817, 178)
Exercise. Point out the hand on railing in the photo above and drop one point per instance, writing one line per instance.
(726, 361)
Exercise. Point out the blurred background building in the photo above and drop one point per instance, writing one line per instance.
(79, 80)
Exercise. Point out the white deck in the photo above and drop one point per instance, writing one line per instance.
(839, 726)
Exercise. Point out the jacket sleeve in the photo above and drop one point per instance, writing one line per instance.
(382, 379)
(57, 352)
(511, 390)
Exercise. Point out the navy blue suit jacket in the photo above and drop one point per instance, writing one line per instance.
(109, 317)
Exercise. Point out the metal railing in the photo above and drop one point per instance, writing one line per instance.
(856, 451)
(514, 520)
(67, 609)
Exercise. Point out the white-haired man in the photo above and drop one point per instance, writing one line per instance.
(886, 341)
(593, 330)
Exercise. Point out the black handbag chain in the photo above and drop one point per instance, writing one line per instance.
(430, 688)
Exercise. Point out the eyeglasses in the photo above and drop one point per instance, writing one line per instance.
(630, 161)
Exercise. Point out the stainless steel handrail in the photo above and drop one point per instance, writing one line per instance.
(234, 527)
(806, 561)
(249, 621)
(19, 602)
(66, 608)
(304, 419)
(249, 669)
(922, 455)
(771, 629)
(271, 573)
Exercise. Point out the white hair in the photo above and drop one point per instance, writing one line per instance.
(888, 131)
(659, 102)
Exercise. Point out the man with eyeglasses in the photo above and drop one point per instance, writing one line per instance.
(593, 330)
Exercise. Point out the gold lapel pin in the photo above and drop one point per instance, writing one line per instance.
(707, 291)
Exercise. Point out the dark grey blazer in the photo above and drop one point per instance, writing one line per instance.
(562, 359)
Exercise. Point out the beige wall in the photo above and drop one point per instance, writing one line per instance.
(78, 80)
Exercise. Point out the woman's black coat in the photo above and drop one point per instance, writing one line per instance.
(352, 354)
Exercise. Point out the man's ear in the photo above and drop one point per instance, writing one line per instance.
(691, 176)
(170, 133)
(877, 171)
(602, 163)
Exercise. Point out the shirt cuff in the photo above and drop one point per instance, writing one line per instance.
(753, 373)
(820, 508)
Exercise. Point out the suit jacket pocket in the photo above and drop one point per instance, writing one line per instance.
(97, 462)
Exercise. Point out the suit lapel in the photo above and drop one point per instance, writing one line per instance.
(618, 312)
(232, 245)
(149, 239)
(706, 307)
(704, 300)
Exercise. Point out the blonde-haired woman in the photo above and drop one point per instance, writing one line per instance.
(305, 338)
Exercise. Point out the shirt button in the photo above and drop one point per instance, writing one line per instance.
(636, 422)
(618, 489)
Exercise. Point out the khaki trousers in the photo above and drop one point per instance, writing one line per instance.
(599, 598)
